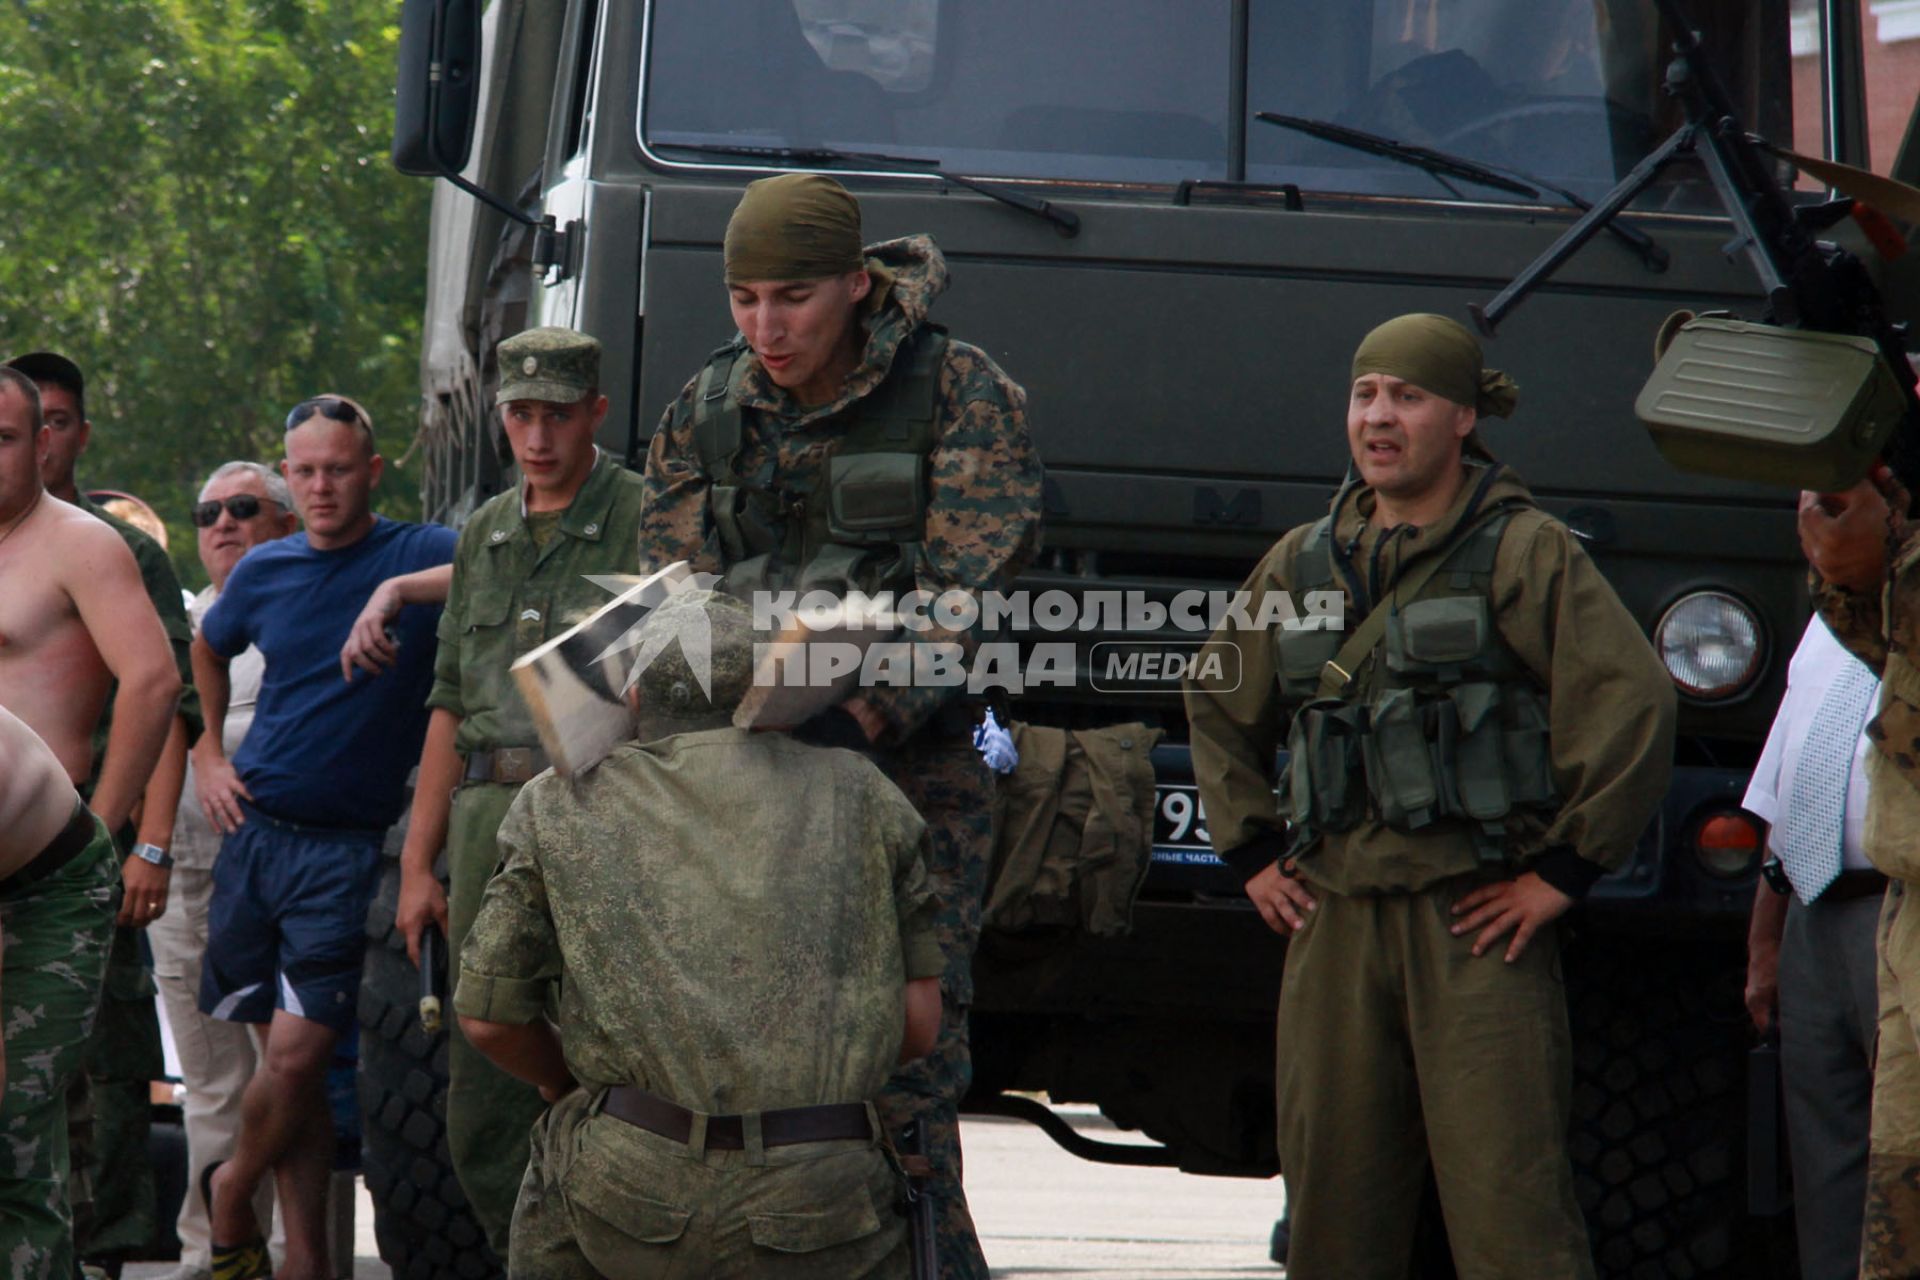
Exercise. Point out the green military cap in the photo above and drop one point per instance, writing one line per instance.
(550, 363)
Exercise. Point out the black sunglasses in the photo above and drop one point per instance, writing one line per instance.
(333, 407)
(241, 506)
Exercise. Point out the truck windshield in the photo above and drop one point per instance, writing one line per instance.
(1145, 91)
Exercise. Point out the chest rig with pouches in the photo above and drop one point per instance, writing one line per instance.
(1420, 717)
(863, 533)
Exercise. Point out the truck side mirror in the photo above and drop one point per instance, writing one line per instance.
(438, 86)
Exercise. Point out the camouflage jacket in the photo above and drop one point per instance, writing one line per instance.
(169, 601)
(1611, 706)
(510, 595)
(1882, 629)
(983, 509)
(743, 947)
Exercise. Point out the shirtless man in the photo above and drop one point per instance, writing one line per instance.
(72, 618)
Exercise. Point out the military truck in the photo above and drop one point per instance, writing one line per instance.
(1179, 285)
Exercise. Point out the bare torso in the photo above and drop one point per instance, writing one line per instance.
(51, 673)
(36, 800)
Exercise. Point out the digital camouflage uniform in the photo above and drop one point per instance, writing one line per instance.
(1883, 631)
(109, 1108)
(1396, 1046)
(55, 933)
(744, 948)
(516, 585)
(982, 526)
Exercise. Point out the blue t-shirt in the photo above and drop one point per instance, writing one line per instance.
(322, 751)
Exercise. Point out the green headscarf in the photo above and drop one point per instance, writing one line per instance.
(1438, 355)
(798, 226)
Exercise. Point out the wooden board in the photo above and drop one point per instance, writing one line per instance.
(573, 682)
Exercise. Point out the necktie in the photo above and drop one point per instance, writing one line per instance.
(1815, 823)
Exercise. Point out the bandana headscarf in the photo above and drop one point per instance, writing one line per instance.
(798, 226)
(1437, 355)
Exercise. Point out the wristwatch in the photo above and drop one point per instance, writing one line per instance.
(154, 854)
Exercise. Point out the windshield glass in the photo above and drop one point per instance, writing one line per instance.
(1143, 91)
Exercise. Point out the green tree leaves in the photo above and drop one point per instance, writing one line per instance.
(200, 211)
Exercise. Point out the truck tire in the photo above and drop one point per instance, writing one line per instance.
(1660, 1038)
(420, 1215)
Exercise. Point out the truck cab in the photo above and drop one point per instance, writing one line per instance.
(1183, 334)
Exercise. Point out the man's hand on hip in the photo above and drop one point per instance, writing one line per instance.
(220, 791)
(1283, 902)
(1520, 906)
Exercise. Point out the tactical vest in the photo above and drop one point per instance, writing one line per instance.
(1440, 724)
(864, 532)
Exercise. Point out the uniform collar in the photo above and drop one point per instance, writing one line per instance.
(586, 516)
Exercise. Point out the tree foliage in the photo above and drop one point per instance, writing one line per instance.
(200, 211)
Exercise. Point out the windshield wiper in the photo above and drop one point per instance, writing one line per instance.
(1064, 220)
(1442, 164)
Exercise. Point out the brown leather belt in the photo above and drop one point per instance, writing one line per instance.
(62, 849)
(506, 764)
(1849, 885)
(785, 1128)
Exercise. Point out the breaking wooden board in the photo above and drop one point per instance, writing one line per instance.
(572, 684)
(815, 662)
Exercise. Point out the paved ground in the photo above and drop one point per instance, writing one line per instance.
(1044, 1213)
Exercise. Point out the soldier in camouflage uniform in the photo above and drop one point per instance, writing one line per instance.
(843, 442)
(737, 916)
(109, 1108)
(520, 577)
(1864, 547)
(59, 887)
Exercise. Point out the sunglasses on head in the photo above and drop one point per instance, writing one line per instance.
(241, 506)
(334, 407)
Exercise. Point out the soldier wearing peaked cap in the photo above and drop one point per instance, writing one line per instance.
(1454, 783)
(737, 966)
(520, 576)
(843, 442)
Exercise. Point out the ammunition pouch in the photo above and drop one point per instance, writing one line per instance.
(1073, 830)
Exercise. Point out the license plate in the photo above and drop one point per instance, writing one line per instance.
(1179, 819)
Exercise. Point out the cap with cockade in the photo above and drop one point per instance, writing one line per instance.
(553, 364)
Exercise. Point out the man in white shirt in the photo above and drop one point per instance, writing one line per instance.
(1810, 951)
(241, 505)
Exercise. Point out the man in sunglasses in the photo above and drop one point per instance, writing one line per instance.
(242, 505)
(113, 1180)
(305, 803)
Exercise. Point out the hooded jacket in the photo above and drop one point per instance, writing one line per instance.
(982, 522)
(1611, 703)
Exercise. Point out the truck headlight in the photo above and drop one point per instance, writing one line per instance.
(1710, 643)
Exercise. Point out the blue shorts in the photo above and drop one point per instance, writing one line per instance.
(287, 925)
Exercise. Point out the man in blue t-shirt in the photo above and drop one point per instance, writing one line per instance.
(304, 803)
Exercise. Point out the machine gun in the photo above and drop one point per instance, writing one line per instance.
(1821, 387)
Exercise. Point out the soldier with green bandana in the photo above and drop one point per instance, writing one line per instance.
(521, 575)
(1485, 736)
(843, 441)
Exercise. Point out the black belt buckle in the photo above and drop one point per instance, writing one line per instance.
(1774, 872)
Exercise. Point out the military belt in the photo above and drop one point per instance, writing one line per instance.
(62, 849)
(784, 1128)
(506, 764)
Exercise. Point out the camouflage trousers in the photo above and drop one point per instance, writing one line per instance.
(1890, 1247)
(953, 792)
(603, 1198)
(110, 1108)
(488, 1111)
(56, 933)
